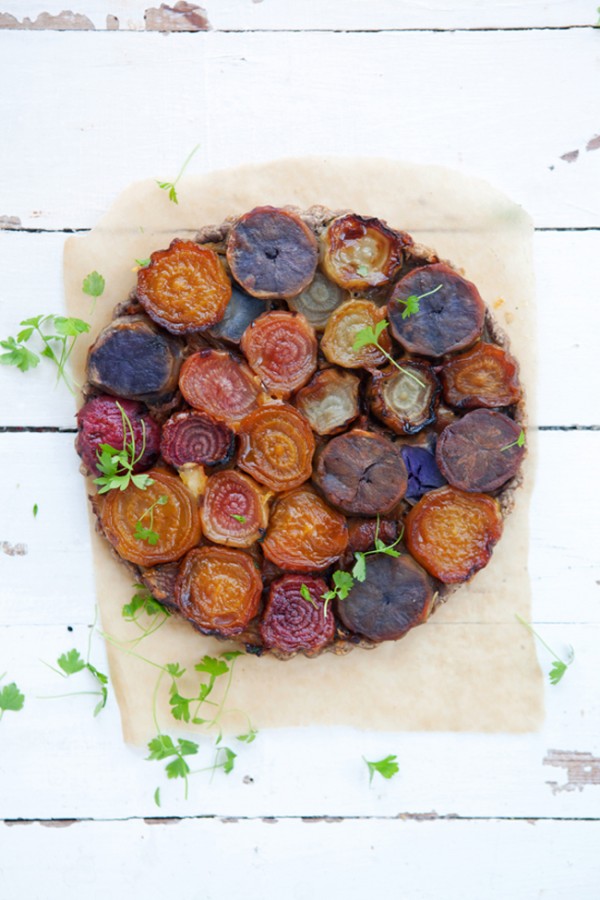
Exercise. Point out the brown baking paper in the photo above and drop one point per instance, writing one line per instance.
(471, 667)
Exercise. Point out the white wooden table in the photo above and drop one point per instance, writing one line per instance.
(93, 100)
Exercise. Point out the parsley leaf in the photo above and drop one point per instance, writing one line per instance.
(35, 510)
(171, 185)
(387, 767)
(93, 285)
(71, 662)
(142, 601)
(249, 737)
(117, 465)
(238, 518)
(18, 355)
(142, 263)
(54, 346)
(520, 442)
(11, 698)
(360, 567)
(306, 595)
(370, 335)
(212, 666)
(412, 303)
(559, 666)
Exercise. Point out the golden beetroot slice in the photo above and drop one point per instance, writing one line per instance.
(185, 288)
(276, 447)
(176, 521)
(341, 331)
(272, 253)
(318, 301)
(281, 348)
(133, 358)
(193, 437)
(450, 318)
(219, 384)
(290, 622)
(329, 401)
(359, 253)
(304, 534)
(480, 451)
(362, 473)
(396, 595)
(218, 590)
(404, 400)
(484, 376)
(235, 509)
(452, 533)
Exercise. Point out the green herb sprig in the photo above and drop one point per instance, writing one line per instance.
(559, 666)
(117, 465)
(71, 662)
(148, 534)
(11, 698)
(520, 442)
(56, 345)
(386, 767)
(238, 518)
(359, 570)
(170, 185)
(412, 304)
(370, 335)
(93, 285)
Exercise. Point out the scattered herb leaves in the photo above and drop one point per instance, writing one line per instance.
(35, 510)
(117, 465)
(11, 698)
(93, 285)
(148, 534)
(342, 585)
(359, 571)
(412, 304)
(171, 185)
(386, 767)
(559, 666)
(142, 263)
(370, 335)
(520, 442)
(56, 345)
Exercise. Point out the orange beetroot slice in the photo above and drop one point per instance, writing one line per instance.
(276, 447)
(305, 534)
(185, 288)
(235, 509)
(290, 622)
(217, 383)
(177, 522)
(193, 437)
(452, 533)
(281, 348)
(484, 376)
(218, 590)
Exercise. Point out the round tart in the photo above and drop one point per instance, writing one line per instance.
(305, 430)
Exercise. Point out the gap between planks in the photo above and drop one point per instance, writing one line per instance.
(309, 820)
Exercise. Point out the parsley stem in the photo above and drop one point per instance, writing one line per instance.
(540, 639)
(186, 163)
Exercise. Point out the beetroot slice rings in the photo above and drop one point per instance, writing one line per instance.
(291, 622)
(272, 253)
(191, 437)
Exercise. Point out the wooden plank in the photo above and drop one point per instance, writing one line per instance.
(295, 859)
(567, 327)
(218, 89)
(355, 15)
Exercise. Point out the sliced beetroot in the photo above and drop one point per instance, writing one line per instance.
(133, 358)
(479, 452)
(240, 312)
(423, 472)
(362, 533)
(404, 399)
(292, 623)
(281, 348)
(361, 253)
(330, 400)
(100, 421)
(160, 581)
(396, 595)
(193, 437)
(272, 253)
(362, 473)
(451, 318)
(486, 376)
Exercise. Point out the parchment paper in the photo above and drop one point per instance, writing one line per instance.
(472, 667)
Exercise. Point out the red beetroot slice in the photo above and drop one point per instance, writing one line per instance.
(272, 253)
(292, 623)
(473, 454)
(218, 383)
(396, 595)
(192, 437)
(362, 473)
(281, 348)
(100, 421)
(448, 320)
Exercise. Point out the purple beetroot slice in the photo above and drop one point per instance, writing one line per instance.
(100, 422)
(194, 437)
(423, 472)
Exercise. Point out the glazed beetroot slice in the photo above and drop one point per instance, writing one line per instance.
(485, 376)
(362, 533)
(396, 595)
(474, 452)
(240, 312)
(423, 472)
(292, 623)
(448, 320)
(133, 358)
(272, 253)
(100, 421)
(361, 473)
(193, 437)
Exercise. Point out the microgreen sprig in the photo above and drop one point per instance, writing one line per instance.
(370, 335)
(386, 767)
(306, 595)
(359, 570)
(170, 185)
(342, 585)
(11, 698)
(238, 518)
(412, 304)
(57, 345)
(71, 662)
(143, 606)
(148, 534)
(520, 442)
(559, 666)
(93, 285)
(117, 465)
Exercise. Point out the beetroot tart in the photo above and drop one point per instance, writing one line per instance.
(305, 430)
